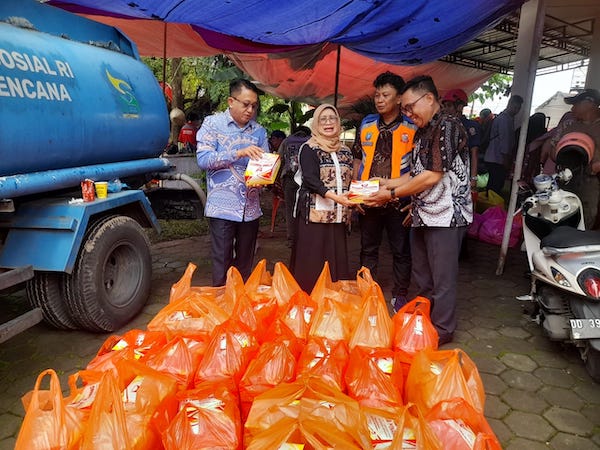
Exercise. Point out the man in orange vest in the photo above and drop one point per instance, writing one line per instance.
(383, 150)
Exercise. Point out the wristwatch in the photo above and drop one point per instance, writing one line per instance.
(393, 193)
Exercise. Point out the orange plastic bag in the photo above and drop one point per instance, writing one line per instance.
(337, 422)
(413, 331)
(229, 351)
(48, 423)
(324, 359)
(460, 427)
(208, 417)
(369, 381)
(438, 375)
(279, 331)
(273, 365)
(330, 322)
(299, 314)
(194, 315)
(107, 427)
(374, 327)
(146, 394)
(177, 360)
(281, 402)
(284, 284)
(300, 412)
(414, 432)
(133, 345)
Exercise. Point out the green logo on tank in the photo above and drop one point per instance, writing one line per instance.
(126, 97)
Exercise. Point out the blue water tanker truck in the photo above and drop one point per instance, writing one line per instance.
(76, 104)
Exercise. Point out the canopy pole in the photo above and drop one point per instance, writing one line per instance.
(164, 66)
(531, 29)
(337, 75)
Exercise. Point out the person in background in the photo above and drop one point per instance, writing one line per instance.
(454, 102)
(187, 134)
(288, 151)
(382, 150)
(585, 119)
(277, 137)
(225, 143)
(322, 206)
(500, 153)
(442, 207)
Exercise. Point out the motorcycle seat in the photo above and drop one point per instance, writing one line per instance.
(570, 240)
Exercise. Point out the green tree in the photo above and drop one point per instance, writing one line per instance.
(205, 88)
(497, 85)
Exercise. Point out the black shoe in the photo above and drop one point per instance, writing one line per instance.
(444, 339)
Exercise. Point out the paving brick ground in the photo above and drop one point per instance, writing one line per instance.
(539, 395)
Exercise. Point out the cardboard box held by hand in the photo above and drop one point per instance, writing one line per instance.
(262, 171)
(359, 189)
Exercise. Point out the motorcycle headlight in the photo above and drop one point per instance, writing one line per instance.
(589, 281)
(559, 277)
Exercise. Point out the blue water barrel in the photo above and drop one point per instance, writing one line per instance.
(66, 103)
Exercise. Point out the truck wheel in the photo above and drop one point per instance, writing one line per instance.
(45, 291)
(592, 363)
(111, 280)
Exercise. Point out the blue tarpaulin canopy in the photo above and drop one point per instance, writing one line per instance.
(393, 31)
(289, 47)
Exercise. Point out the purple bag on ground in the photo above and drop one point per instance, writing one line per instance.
(492, 227)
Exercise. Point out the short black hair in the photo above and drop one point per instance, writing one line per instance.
(422, 84)
(192, 116)
(278, 134)
(235, 86)
(394, 80)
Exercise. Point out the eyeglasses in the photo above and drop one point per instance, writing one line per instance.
(246, 105)
(325, 119)
(408, 108)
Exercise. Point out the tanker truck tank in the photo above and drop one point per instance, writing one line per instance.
(76, 103)
(74, 94)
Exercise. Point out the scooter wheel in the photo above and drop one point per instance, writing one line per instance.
(592, 363)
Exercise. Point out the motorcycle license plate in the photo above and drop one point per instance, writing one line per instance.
(585, 328)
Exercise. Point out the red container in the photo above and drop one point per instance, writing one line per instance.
(87, 191)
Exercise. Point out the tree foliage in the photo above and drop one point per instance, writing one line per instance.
(498, 85)
(205, 89)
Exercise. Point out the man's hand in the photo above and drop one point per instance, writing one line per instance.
(408, 219)
(379, 198)
(252, 151)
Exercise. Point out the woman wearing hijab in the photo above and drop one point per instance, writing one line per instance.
(322, 204)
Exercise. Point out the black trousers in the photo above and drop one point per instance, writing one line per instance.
(372, 225)
(435, 253)
(232, 244)
(497, 177)
(289, 195)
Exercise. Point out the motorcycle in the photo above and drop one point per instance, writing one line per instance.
(564, 258)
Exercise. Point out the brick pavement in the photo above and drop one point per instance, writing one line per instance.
(539, 395)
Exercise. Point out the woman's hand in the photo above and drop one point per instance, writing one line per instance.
(343, 200)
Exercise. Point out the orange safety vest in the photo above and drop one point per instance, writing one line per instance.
(402, 143)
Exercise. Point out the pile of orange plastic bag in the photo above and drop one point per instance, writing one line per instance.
(263, 365)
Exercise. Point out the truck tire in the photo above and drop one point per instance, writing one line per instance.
(111, 280)
(45, 291)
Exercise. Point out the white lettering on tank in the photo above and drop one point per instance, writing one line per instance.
(35, 90)
(26, 85)
(19, 61)
(62, 69)
(6, 60)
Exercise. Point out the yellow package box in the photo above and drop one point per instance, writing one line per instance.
(263, 171)
(359, 189)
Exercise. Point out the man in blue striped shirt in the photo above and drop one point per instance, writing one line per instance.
(225, 143)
